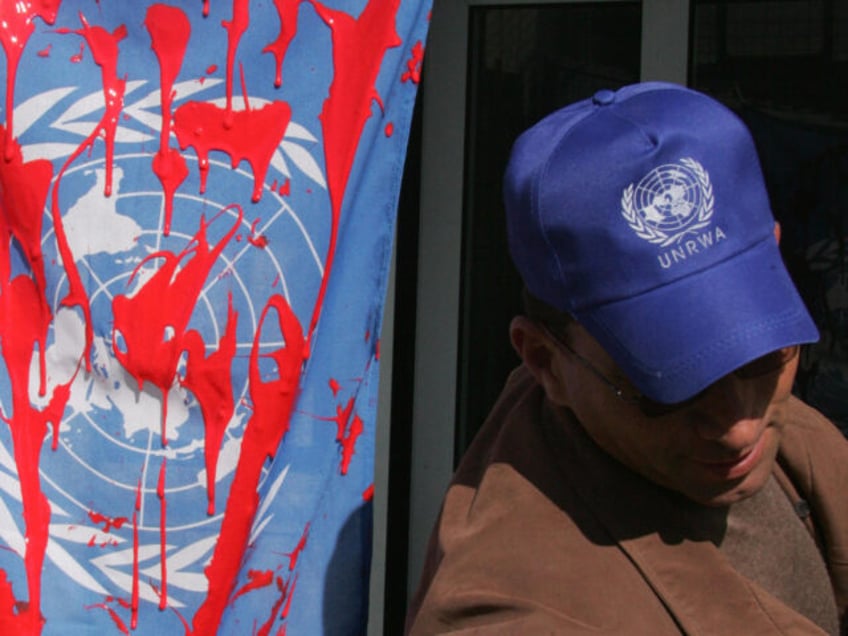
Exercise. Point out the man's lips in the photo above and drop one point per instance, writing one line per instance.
(737, 467)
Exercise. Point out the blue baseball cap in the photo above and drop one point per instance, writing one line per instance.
(643, 213)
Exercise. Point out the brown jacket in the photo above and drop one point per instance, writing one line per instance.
(543, 533)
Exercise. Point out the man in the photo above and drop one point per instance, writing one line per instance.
(646, 469)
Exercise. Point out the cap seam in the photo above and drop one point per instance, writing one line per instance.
(538, 207)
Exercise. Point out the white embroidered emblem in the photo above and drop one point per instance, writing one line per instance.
(671, 201)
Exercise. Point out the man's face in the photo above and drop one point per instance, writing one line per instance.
(715, 450)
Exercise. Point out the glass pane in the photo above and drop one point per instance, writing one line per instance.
(524, 62)
(783, 65)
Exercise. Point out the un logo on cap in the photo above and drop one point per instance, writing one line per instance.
(669, 202)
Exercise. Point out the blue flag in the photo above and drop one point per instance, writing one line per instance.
(198, 203)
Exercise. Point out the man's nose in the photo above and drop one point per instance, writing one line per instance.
(729, 413)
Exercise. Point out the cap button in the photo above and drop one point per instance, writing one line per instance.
(603, 98)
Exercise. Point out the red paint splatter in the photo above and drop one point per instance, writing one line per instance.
(169, 30)
(257, 240)
(45, 52)
(284, 595)
(342, 418)
(349, 443)
(413, 64)
(256, 579)
(108, 522)
(389, 129)
(301, 544)
(272, 403)
(205, 8)
(347, 432)
(153, 321)
(285, 189)
(368, 493)
(358, 49)
(334, 386)
(210, 379)
(287, 10)
(78, 57)
(211, 69)
(113, 615)
(289, 595)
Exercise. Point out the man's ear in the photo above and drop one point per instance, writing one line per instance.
(535, 348)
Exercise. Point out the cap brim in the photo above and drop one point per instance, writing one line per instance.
(676, 340)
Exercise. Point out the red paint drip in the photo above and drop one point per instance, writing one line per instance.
(301, 544)
(272, 407)
(389, 129)
(285, 189)
(23, 194)
(358, 49)
(210, 379)
(205, 8)
(287, 10)
(153, 322)
(249, 135)
(23, 327)
(334, 386)
(16, 27)
(163, 508)
(413, 64)
(256, 579)
(235, 29)
(368, 493)
(169, 30)
(104, 49)
(135, 590)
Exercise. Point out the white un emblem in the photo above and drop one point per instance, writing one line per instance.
(669, 202)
